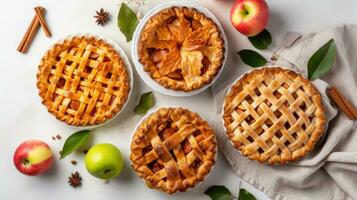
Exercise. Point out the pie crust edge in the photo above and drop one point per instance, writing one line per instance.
(165, 81)
(319, 114)
(54, 51)
(155, 118)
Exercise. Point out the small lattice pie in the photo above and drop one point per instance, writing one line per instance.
(173, 149)
(181, 48)
(83, 81)
(273, 115)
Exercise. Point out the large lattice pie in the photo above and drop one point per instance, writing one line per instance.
(83, 81)
(273, 115)
(173, 149)
(181, 48)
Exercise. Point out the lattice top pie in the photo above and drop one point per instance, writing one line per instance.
(173, 149)
(181, 48)
(83, 81)
(273, 115)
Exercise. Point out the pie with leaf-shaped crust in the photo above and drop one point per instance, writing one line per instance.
(181, 48)
(83, 81)
(173, 149)
(273, 115)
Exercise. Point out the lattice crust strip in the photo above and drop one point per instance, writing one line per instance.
(173, 149)
(273, 115)
(83, 81)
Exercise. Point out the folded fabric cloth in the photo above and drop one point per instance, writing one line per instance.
(330, 171)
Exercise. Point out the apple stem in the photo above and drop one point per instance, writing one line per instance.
(245, 10)
(25, 162)
(106, 171)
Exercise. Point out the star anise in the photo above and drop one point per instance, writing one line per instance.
(102, 17)
(75, 180)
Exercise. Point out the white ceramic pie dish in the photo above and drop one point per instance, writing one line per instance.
(122, 54)
(151, 111)
(145, 76)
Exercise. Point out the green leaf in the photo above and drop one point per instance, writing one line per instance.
(245, 195)
(321, 62)
(218, 192)
(74, 141)
(252, 58)
(145, 103)
(262, 40)
(127, 21)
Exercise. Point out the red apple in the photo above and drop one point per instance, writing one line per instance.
(33, 157)
(250, 17)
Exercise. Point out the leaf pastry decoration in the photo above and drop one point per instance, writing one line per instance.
(171, 62)
(182, 48)
(127, 21)
(164, 33)
(184, 30)
(145, 103)
(160, 44)
(74, 141)
(197, 38)
(209, 50)
(191, 66)
(202, 33)
(322, 60)
(174, 28)
(191, 45)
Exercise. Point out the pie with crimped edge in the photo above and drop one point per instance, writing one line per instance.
(173, 149)
(83, 81)
(181, 48)
(273, 115)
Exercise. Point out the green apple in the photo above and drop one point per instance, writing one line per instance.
(104, 161)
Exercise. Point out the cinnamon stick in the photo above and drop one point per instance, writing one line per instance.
(32, 30)
(343, 104)
(30, 33)
(39, 12)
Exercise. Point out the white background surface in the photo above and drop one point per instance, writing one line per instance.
(23, 117)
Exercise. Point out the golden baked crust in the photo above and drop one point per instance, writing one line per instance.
(173, 149)
(181, 48)
(273, 115)
(82, 81)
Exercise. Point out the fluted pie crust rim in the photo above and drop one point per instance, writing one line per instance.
(165, 80)
(194, 143)
(235, 114)
(97, 95)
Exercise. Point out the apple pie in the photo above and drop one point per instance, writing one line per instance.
(83, 81)
(173, 149)
(273, 115)
(181, 48)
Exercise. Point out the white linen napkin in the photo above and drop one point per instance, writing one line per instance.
(330, 170)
